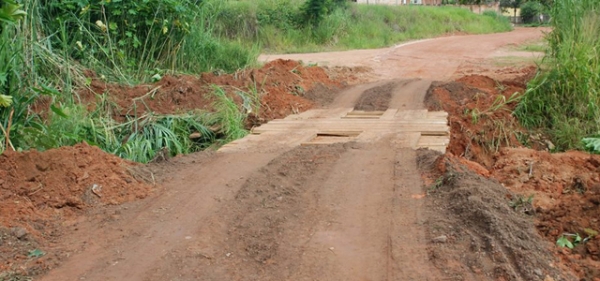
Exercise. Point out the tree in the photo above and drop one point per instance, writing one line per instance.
(530, 11)
(504, 4)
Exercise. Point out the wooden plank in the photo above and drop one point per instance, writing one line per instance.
(375, 117)
(339, 133)
(430, 129)
(433, 141)
(367, 121)
(441, 149)
(365, 113)
(389, 114)
(380, 131)
(435, 133)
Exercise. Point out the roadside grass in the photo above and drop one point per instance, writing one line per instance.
(565, 99)
(515, 61)
(538, 46)
(353, 27)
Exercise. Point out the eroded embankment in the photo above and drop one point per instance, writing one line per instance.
(557, 193)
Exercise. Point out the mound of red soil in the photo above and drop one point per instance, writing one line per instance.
(486, 138)
(40, 191)
(480, 116)
(566, 190)
(281, 85)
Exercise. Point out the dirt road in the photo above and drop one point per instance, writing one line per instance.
(436, 59)
(268, 210)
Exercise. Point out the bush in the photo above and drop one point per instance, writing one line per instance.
(530, 12)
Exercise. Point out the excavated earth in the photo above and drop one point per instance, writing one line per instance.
(490, 208)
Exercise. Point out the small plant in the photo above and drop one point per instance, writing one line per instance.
(448, 178)
(498, 104)
(521, 202)
(36, 253)
(569, 240)
(592, 144)
(435, 185)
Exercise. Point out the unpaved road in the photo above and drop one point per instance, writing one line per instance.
(436, 59)
(346, 211)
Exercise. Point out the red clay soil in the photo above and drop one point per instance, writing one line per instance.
(478, 128)
(42, 191)
(565, 186)
(280, 84)
(566, 190)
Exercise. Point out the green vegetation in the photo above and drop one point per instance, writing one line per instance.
(565, 99)
(51, 50)
(540, 47)
(530, 12)
(276, 26)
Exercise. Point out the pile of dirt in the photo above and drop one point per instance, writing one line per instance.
(560, 191)
(42, 191)
(284, 87)
(351, 75)
(376, 99)
(480, 115)
(475, 233)
(565, 192)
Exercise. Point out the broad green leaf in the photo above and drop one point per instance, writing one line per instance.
(593, 144)
(563, 241)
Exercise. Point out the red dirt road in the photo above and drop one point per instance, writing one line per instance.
(349, 211)
(434, 59)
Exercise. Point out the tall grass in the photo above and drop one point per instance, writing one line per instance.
(565, 99)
